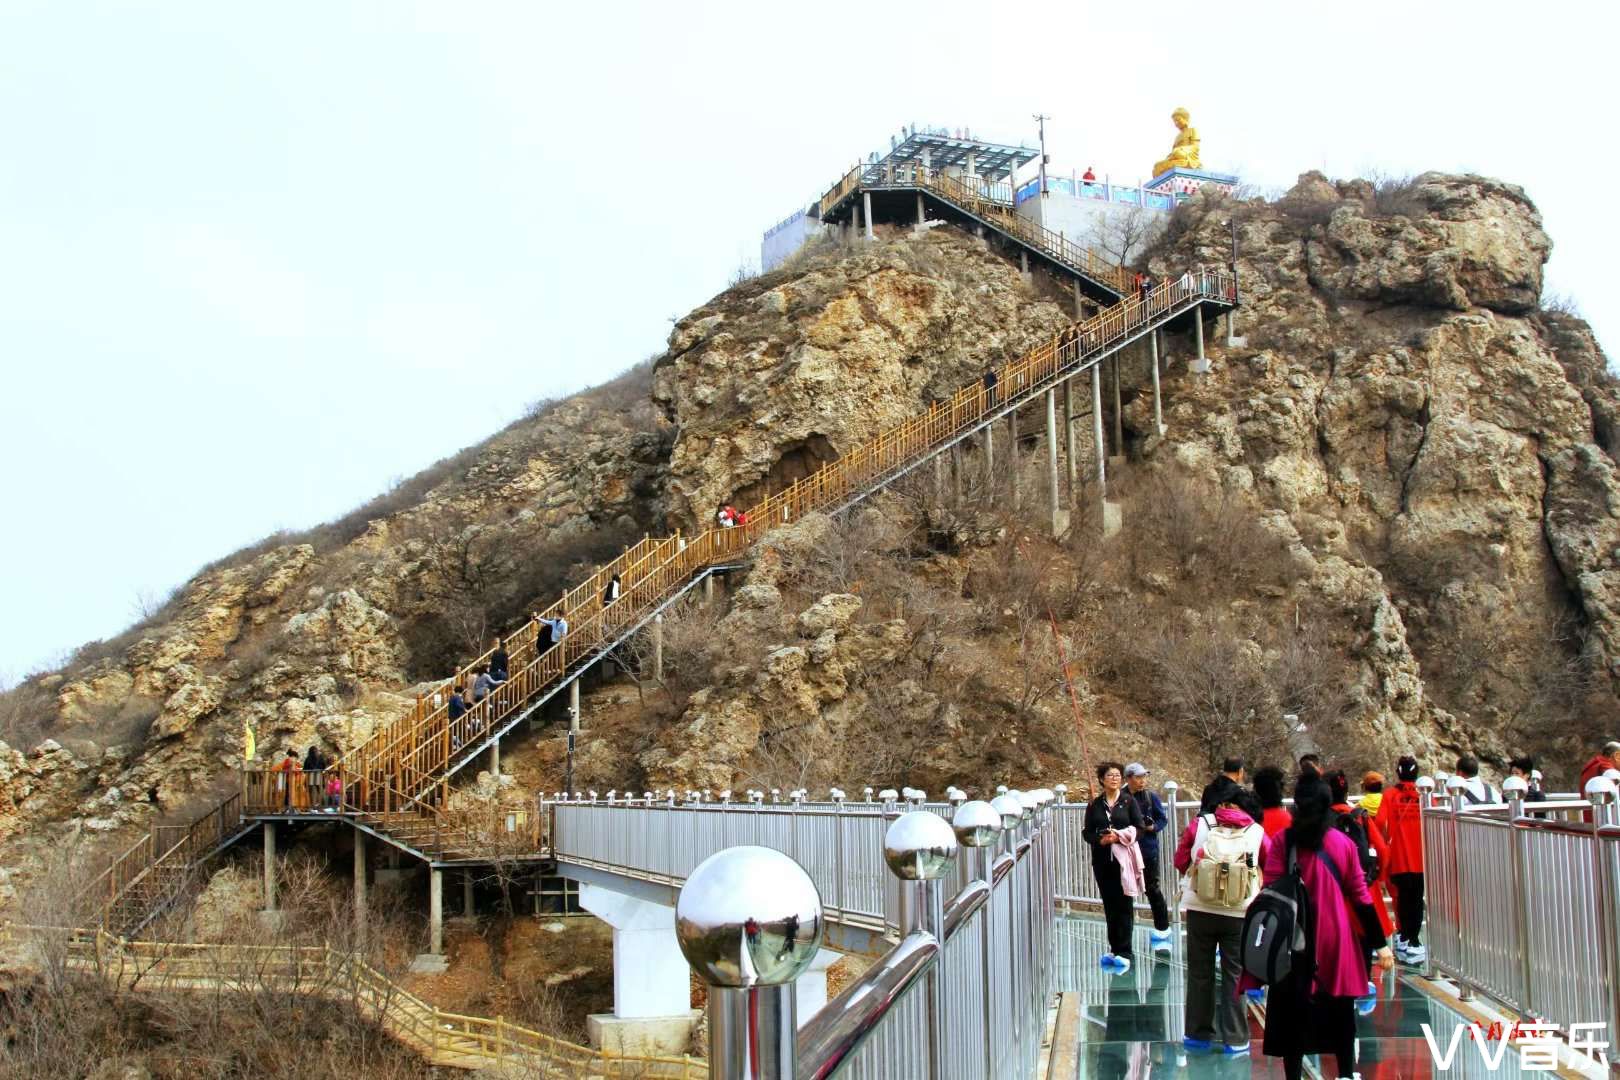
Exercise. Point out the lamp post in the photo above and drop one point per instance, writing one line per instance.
(1040, 120)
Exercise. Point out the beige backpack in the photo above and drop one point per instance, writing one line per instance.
(1223, 874)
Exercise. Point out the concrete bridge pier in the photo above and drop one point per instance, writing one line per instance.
(990, 462)
(652, 1002)
(1158, 403)
(1068, 437)
(1110, 510)
(360, 900)
(1012, 455)
(811, 987)
(1200, 364)
(1053, 499)
(866, 207)
(269, 830)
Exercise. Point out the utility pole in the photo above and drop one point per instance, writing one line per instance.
(1041, 119)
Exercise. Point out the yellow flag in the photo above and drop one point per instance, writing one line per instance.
(250, 746)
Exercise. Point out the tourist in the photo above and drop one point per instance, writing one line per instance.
(1475, 791)
(500, 662)
(288, 780)
(613, 590)
(1144, 285)
(1600, 763)
(1356, 822)
(559, 627)
(334, 793)
(1316, 1014)
(740, 517)
(990, 387)
(1231, 776)
(482, 683)
(724, 517)
(1219, 857)
(1524, 767)
(314, 760)
(1372, 791)
(1400, 818)
(1108, 818)
(1154, 822)
(544, 635)
(1310, 763)
(1088, 176)
(1268, 788)
(458, 704)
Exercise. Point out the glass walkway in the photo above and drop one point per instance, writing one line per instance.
(1131, 1025)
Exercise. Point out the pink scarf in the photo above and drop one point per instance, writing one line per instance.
(1129, 856)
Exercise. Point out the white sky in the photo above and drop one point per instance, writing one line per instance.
(258, 260)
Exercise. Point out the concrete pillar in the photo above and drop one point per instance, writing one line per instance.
(990, 460)
(467, 894)
(573, 705)
(939, 478)
(1231, 334)
(1023, 262)
(495, 756)
(956, 474)
(1119, 418)
(269, 829)
(708, 589)
(658, 647)
(1068, 435)
(1158, 404)
(1201, 364)
(920, 216)
(810, 989)
(436, 912)
(361, 915)
(866, 209)
(928, 160)
(1079, 302)
(1012, 455)
(972, 164)
(1097, 431)
(1052, 461)
(652, 1010)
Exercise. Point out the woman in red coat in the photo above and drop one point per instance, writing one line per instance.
(1400, 818)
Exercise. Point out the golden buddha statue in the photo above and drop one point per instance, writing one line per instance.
(1184, 151)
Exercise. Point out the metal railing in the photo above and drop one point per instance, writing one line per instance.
(962, 994)
(1523, 903)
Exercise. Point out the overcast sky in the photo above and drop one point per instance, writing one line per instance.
(256, 261)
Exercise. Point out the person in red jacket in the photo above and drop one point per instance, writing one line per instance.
(1601, 762)
(1400, 819)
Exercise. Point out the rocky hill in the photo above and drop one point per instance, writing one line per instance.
(1392, 504)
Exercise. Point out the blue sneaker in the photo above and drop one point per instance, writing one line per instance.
(1368, 1001)
(1196, 1046)
(1256, 994)
(1235, 1049)
(1159, 940)
(1108, 962)
(1121, 965)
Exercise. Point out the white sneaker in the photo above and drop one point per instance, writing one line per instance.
(1159, 940)
(1399, 947)
(1415, 954)
(1121, 965)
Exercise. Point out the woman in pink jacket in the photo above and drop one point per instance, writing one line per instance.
(1314, 1012)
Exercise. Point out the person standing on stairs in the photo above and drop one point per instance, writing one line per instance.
(612, 592)
(1107, 817)
(500, 661)
(288, 780)
(313, 779)
(989, 388)
(1154, 822)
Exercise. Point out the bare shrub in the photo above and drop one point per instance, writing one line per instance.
(1394, 195)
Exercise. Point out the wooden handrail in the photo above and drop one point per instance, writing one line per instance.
(439, 1035)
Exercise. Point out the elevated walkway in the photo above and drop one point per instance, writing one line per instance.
(396, 785)
(899, 193)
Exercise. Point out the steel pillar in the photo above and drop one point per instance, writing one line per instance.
(1052, 459)
(360, 900)
(866, 209)
(1097, 431)
(269, 829)
(573, 705)
(1119, 418)
(1158, 403)
(1068, 435)
(1012, 455)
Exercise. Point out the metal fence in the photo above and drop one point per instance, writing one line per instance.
(1523, 902)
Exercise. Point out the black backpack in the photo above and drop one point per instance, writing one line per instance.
(1355, 825)
(1278, 939)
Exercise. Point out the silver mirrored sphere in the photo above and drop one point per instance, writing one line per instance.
(976, 824)
(748, 916)
(919, 846)
(1010, 809)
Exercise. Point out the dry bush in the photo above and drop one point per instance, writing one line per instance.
(1394, 195)
(1209, 536)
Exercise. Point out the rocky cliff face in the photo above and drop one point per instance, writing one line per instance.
(1433, 457)
(1439, 451)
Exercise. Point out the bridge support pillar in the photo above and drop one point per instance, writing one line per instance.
(1231, 334)
(1158, 403)
(866, 209)
(990, 461)
(921, 217)
(573, 705)
(1023, 262)
(956, 474)
(1110, 510)
(939, 479)
(361, 904)
(436, 912)
(658, 648)
(1079, 302)
(811, 988)
(495, 756)
(1068, 435)
(466, 894)
(1052, 496)
(1012, 455)
(708, 588)
(1119, 415)
(269, 829)
(652, 1011)
(1201, 364)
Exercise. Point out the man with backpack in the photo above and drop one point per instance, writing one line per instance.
(1400, 818)
(1475, 791)
(1154, 821)
(1219, 858)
